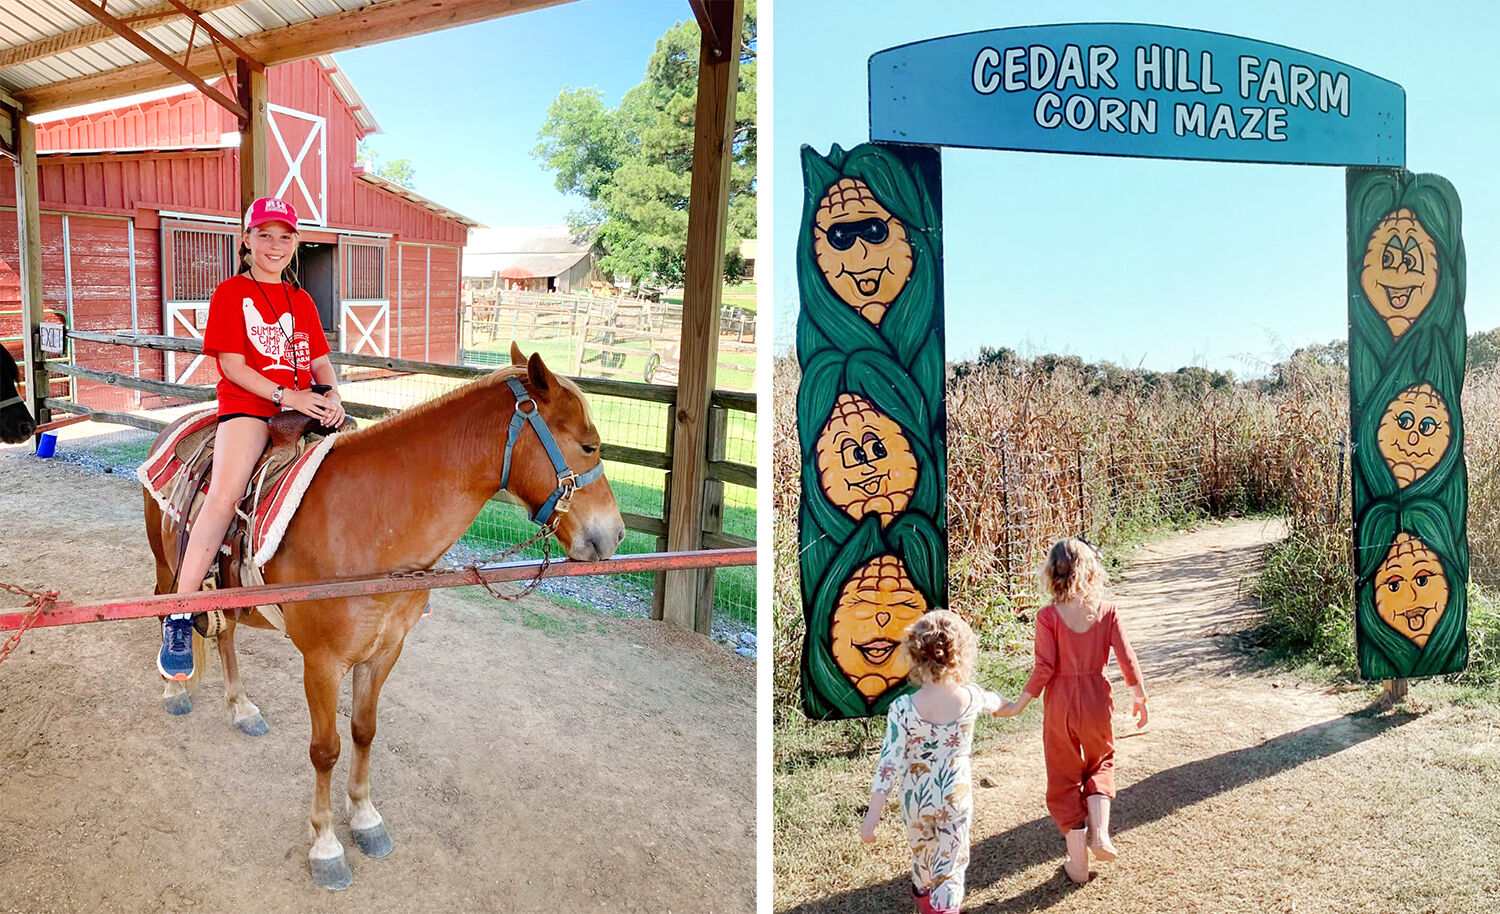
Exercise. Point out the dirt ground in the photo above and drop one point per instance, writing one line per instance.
(1249, 791)
(529, 757)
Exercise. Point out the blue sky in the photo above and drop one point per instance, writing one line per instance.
(1140, 261)
(465, 104)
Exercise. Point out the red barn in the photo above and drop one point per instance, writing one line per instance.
(140, 219)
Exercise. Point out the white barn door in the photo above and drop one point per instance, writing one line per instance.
(298, 161)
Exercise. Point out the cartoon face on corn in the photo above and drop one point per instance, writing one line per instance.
(1400, 270)
(1414, 433)
(1411, 590)
(865, 462)
(861, 248)
(874, 610)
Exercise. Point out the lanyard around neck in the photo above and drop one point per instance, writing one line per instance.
(290, 345)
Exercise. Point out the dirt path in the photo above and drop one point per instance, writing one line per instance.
(530, 756)
(1249, 791)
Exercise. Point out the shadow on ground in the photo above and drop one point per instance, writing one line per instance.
(1158, 796)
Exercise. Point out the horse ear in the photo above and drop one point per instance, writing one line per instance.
(540, 374)
(516, 358)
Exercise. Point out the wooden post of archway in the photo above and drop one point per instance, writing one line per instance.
(708, 214)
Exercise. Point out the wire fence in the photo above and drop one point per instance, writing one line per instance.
(610, 337)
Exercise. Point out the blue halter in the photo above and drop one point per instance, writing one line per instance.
(567, 482)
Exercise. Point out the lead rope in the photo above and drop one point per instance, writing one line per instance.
(543, 535)
(39, 601)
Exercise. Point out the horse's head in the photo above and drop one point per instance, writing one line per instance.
(16, 424)
(587, 520)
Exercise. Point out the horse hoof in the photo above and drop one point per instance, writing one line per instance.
(181, 703)
(332, 874)
(254, 725)
(375, 842)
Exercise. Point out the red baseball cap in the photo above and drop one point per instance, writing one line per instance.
(270, 209)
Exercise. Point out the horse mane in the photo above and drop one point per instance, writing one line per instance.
(9, 371)
(494, 378)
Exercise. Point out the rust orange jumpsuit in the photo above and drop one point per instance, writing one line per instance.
(1078, 742)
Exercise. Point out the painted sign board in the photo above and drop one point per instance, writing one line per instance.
(870, 419)
(1407, 341)
(52, 338)
(1135, 90)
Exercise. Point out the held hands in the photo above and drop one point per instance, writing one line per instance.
(1139, 710)
(1007, 708)
(328, 409)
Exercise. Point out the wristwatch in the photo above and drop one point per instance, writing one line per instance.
(277, 394)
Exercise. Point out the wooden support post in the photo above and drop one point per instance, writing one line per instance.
(254, 135)
(29, 229)
(713, 515)
(708, 215)
(1395, 691)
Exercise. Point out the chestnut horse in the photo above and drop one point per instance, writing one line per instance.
(394, 497)
(16, 424)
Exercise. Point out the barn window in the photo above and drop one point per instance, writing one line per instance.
(200, 261)
(366, 271)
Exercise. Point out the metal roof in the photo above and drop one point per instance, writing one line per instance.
(540, 239)
(54, 55)
(520, 266)
(406, 193)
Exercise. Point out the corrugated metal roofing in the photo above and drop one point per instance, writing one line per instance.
(25, 22)
(527, 239)
(407, 193)
(520, 266)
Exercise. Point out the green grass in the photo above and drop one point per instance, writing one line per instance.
(734, 588)
(734, 295)
(736, 368)
(1307, 619)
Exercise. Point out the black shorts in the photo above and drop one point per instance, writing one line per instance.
(227, 416)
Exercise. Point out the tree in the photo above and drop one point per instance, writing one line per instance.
(400, 171)
(632, 165)
(1484, 350)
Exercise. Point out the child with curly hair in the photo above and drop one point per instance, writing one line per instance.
(927, 740)
(1074, 635)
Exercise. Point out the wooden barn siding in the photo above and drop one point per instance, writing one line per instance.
(193, 181)
(97, 256)
(181, 120)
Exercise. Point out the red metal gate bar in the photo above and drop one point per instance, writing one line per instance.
(232, 598)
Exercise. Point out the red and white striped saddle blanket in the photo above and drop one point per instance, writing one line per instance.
(177, 475)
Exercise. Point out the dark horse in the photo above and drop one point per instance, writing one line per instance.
(16, 424)
(394, 497)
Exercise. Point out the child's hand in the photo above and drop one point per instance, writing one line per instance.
(867, 831)
(1139, 710)
(1007, 708)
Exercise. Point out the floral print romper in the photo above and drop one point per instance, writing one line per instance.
(931, 762)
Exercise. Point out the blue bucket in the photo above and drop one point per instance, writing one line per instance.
(46, 445)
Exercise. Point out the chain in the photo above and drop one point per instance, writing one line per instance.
(39, 601)
(542, 535)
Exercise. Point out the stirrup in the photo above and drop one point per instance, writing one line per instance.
(209, 624)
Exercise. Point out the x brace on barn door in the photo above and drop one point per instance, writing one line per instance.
(216, 39)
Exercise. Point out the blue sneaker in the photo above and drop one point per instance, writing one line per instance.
(175, 661)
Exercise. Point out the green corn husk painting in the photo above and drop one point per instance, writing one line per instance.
(1407, 340)
(870, 419)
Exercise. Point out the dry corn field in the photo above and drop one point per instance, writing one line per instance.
(1036, 455)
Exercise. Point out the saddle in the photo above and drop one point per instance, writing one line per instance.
(178, 472)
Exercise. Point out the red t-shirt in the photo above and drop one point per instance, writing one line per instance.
(276, 329)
